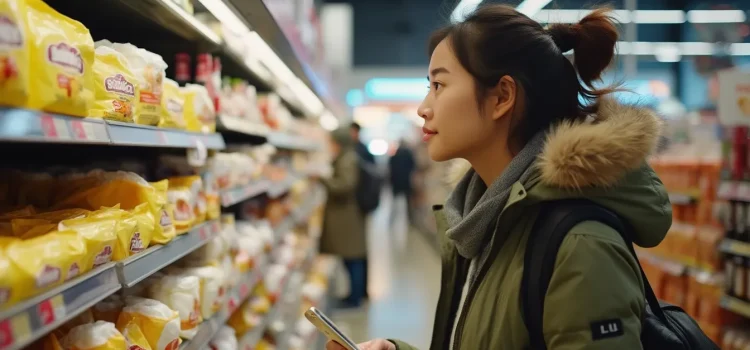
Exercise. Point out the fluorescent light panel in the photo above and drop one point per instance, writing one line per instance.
(532, 7)
(464, 8)
(225, 15)
(672, 49)
(198, 25)
(646, 16)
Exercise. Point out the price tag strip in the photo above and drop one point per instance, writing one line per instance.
(36, 317)
(735, 305)
(734, 247)
(18, 124)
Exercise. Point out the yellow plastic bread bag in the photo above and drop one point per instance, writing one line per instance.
(100, 335)
(134, 229)
(46, 261)
(211, 288)
(115, 87)
(173, 103)
(160, 324)
(149, 68)
(181, 199)
(195, 185)
(11, 277)
(124, 188)
(243, 320)
(62, 56)
(165, 215)
(200, 114)
(14, 55)
(134, 336)
(42, 223)
(83, 318)
(100, 236)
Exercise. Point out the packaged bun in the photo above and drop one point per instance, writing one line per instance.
(160, 324)
(99, 335)
(115, 86)
(182, 294)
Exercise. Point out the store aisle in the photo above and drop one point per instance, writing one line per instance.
(404, 281)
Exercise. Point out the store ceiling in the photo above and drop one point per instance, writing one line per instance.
(394, 32)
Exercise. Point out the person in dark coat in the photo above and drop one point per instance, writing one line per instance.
(364, 156)
(402, 165)
(343, 222)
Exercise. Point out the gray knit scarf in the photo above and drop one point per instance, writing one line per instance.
(472, 208)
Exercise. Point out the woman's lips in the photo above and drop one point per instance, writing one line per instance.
(428, 134)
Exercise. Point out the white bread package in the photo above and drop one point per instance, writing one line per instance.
(159, 324)
(182, 294)
(211, 288)
(224, 339)
(99, 335)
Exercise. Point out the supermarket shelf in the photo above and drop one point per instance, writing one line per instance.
(34, 318)
(234, 124)
(209, 327)
(251, 338)
(292, 142)
(23, 125)
(126, 134)
(278, 188)
(734, 190)
(138, 267)
(239, 194)
(730, 246)
(735, 305)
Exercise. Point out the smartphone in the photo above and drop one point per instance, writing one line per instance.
(326, 326)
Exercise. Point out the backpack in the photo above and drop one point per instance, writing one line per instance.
(664, 326)
(368, 187)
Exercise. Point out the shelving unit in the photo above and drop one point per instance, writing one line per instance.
(240, 194)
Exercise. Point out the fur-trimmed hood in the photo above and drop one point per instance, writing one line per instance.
(604, 160)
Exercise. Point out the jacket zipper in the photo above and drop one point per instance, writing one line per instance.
(473, 290)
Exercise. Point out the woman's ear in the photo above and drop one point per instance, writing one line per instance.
(503, 97)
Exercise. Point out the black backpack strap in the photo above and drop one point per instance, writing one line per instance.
(555, 220)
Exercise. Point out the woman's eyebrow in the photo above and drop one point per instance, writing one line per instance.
(437, 71)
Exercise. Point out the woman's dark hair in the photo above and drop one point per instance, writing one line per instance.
(496, 40)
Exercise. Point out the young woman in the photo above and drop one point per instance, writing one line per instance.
(534, 128)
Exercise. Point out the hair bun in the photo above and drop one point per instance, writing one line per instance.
(592, 40)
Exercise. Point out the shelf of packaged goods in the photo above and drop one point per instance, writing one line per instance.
(22, 125)
(234, 298)
(250, 339)
(291, 142)
(278, 188)
(240, 194)
(136, 268)
(734, 247)
(125, 134)
(290, 304)
(735, 305)
(34, 318)
(734, 190)
(238, 125)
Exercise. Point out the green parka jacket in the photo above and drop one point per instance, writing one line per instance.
(595, 278)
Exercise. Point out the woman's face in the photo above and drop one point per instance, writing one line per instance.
(454, 126)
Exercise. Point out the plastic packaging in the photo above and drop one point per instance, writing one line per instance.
(194, 185)
(115, 87)
(173, 103)
(211, 288)
(61, 60)
(108, 309)
(166, 211)
(100, 335)
(200, 114)
(149, 68)
(45, 261)
(224, 339)
(14, 55)
(99, 235)
(181, 199)
(134, 337)
(182, 294)
(159, 324)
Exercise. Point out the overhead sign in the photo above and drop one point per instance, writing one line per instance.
(734, 97)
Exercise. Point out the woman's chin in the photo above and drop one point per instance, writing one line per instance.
(436, 153)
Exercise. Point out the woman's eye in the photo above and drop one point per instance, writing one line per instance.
(435, 85)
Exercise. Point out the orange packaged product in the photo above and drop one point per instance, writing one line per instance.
(709, 237)
(674, 290)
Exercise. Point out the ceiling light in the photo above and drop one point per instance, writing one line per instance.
(668, 53)
(658, 16)
(328, 121)
(225, 15)
(531, 7)
(463, 9)
(198, 25)
(716, 16)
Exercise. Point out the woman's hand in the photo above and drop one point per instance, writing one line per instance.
(377, 344)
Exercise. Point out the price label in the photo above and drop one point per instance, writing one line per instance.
(739, 248)
(48, 126)
(46, 312)
(79, 132)
(244, 290)
(197, 156)
(727, 190)
(232, 305)
(6, 334)
(162, 136)
(203, 233)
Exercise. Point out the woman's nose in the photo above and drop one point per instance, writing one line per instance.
(424, 111)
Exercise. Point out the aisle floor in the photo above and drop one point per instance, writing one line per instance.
(403, 282)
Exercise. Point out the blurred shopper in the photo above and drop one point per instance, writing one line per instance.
(504, 97)
(402, 166)
(344, 225)
(369, 186)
